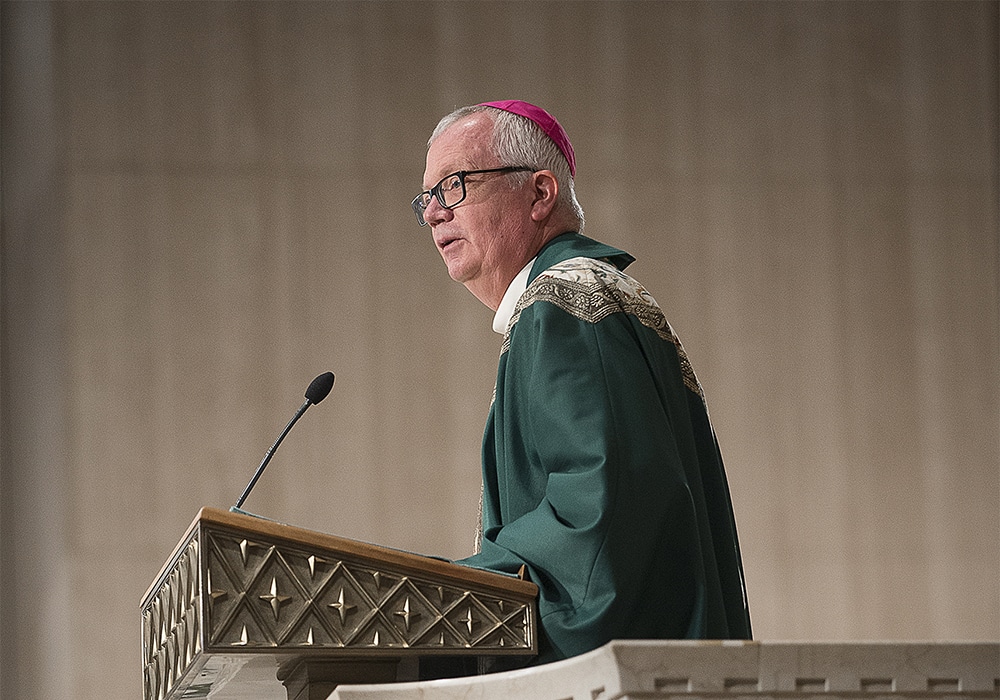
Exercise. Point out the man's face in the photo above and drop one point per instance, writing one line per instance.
(487, 238)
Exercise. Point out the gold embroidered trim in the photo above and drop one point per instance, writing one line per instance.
(592, 290)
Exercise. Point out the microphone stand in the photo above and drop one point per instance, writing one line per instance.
(267, 458)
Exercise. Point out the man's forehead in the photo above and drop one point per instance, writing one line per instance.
(465, 145)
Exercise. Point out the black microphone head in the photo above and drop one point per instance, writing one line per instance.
(319, 387)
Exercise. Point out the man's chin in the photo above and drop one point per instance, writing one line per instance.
(456, 270)
(458, 274)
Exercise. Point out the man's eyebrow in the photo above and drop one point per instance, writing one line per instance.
(446, 174)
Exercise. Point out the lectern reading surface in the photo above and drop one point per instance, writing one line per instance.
(242, 599)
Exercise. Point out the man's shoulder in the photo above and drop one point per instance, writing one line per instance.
(588, 288)
(592, 290)
(592, 272)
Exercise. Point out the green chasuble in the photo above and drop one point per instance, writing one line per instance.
(601, 471)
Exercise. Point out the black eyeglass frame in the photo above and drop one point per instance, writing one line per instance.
(419, 207)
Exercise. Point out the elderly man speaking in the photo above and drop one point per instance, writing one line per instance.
(602, 476)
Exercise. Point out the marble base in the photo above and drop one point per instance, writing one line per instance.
(681, 670)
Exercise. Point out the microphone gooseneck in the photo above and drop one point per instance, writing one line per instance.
(318, 390)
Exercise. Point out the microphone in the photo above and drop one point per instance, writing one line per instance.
(318, 390)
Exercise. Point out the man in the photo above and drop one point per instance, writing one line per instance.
(601, 473)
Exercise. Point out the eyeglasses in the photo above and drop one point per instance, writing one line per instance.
(450, 191)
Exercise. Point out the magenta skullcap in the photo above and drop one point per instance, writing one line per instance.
(546, 123)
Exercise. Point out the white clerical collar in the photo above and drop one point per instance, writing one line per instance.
(510, 297)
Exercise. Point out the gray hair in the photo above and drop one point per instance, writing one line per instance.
(519, 141)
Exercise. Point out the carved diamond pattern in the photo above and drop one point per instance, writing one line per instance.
(276, 592)
(171, 626)
(345, 604)
(411, 613)
(241, 559)
(261, 596)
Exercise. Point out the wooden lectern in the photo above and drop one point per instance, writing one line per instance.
(243, 603)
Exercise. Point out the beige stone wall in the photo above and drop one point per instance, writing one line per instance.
(206, 204)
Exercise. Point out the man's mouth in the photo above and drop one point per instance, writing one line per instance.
(446, 241)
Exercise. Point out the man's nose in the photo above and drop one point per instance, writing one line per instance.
(435, 214)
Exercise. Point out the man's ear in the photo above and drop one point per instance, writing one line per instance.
(546, 191)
